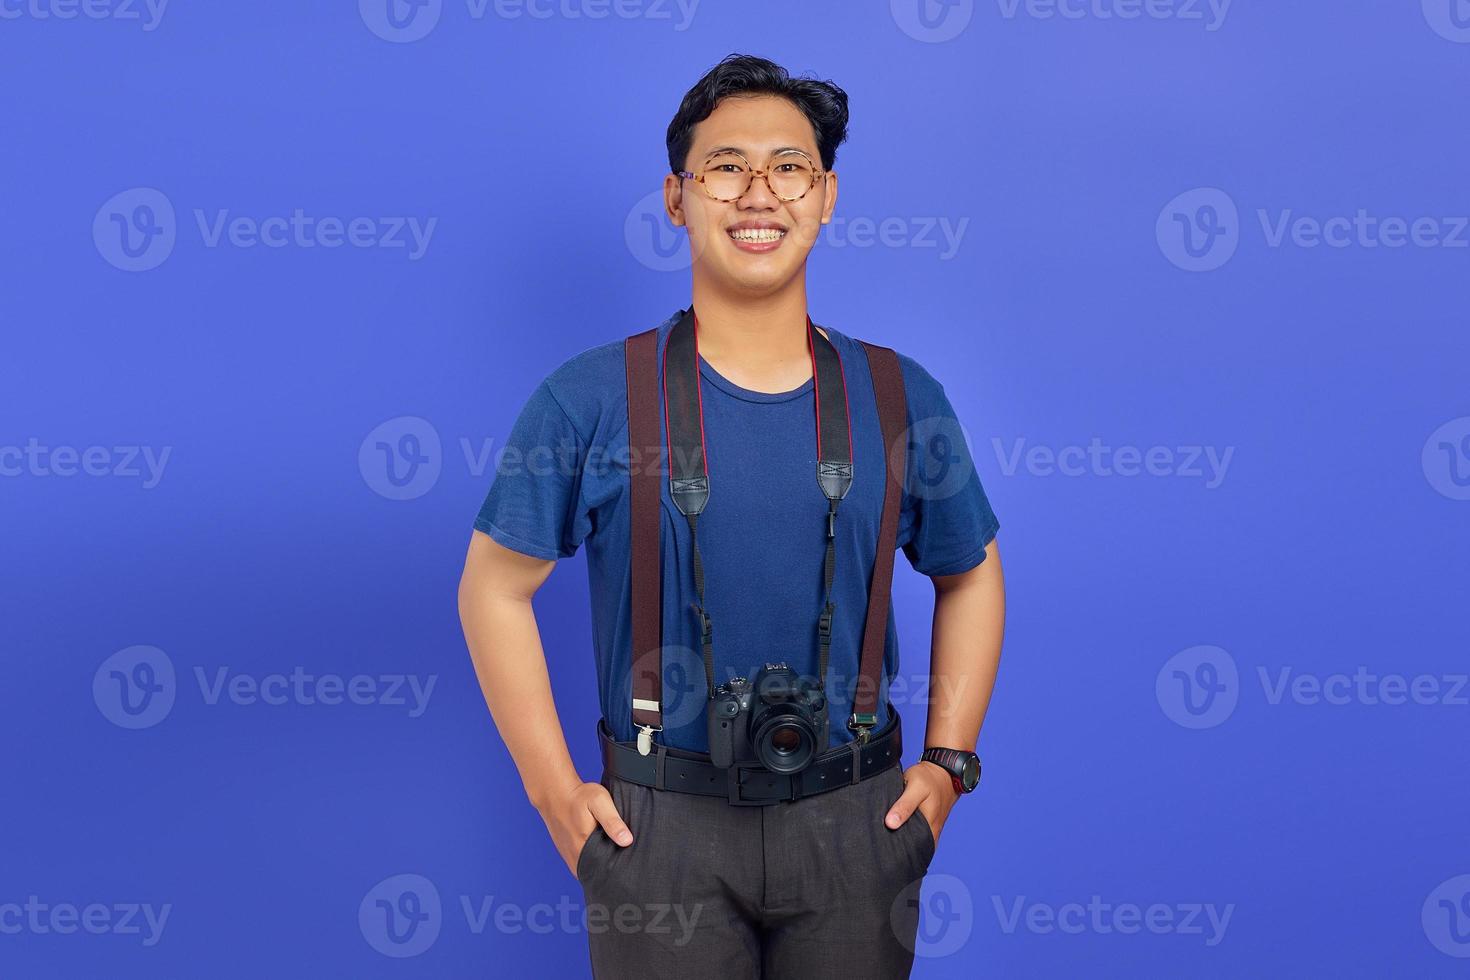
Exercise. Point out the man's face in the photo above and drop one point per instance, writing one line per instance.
(758, 242)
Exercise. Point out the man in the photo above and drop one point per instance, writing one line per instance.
(780, 863)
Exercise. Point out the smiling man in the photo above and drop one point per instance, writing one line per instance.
(742, 479)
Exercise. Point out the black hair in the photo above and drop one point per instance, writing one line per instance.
(822, 102)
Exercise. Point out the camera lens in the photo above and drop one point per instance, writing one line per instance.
(784, 743)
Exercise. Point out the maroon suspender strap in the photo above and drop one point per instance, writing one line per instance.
(645, 445)
(892, 419)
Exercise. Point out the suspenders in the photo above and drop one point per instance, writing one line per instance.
(689, 487)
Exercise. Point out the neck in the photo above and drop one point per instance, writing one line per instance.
(762, 337)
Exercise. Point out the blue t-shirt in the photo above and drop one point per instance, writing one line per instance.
(563, 479)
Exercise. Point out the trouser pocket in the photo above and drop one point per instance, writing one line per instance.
(921, 837)
(588, 854)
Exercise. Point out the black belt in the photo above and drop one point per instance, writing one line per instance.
(750, 784)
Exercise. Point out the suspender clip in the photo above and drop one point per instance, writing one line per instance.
(645, 738)
(862, 726)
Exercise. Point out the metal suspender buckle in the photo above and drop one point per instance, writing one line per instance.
(862, 725)
(645, 732)
(645, 738)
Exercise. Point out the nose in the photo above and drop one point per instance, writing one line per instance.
(759, 196)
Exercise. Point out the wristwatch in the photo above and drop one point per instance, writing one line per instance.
(963, 767)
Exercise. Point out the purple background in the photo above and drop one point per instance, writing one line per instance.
(1336, 539)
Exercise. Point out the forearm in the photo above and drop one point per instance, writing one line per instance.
(969, 623)
(505, 646)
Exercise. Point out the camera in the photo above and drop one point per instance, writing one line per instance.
(778, 718)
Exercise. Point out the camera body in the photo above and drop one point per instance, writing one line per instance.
(776, 719)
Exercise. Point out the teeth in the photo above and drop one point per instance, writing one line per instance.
(757, 234)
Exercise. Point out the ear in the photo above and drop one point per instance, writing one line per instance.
(830, 180)
(674, 199)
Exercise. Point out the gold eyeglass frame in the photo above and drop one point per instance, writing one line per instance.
(751, 174)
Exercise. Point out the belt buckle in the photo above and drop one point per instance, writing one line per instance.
(734, 783)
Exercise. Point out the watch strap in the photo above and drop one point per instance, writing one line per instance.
(952, 761)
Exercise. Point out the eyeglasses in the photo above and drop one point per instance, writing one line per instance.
(727, 176)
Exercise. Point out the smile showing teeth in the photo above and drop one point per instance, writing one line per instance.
(757, 234)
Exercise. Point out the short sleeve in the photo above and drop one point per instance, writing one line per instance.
(534, 505)
(947, 519)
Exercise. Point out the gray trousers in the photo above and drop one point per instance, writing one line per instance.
(816, 888)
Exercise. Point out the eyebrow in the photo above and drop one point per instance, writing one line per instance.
(744, 152)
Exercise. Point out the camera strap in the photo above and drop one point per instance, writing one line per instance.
(689, 488)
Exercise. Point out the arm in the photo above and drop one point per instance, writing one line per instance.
(500, 628)
(969, 622)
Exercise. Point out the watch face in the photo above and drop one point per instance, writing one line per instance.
(970, 775)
